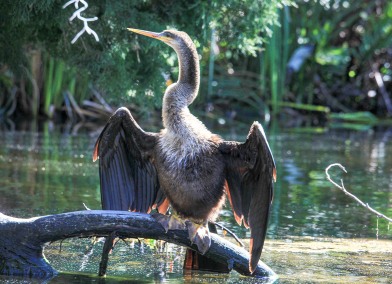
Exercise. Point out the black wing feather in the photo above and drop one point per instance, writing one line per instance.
(128, 176)
(250, 172)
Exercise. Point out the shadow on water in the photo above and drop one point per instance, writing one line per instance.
(316, 233)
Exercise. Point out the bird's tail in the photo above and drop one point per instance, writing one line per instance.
(196, 261)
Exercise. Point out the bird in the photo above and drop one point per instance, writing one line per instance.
(185, 165)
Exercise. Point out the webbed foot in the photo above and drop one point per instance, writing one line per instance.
(170, 222)
(199, 235)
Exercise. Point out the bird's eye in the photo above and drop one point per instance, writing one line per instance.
(167, 34)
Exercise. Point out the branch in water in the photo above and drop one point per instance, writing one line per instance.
(22, 240)
(342, 188)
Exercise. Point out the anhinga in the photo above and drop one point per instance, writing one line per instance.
(185, 165)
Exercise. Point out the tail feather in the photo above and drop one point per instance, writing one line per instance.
(196, 261)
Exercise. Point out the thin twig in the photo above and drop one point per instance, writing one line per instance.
(77, 14)
(231, 233)
(342, 188)
(85, 207)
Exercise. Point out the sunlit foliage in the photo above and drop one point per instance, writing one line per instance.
(122, 63)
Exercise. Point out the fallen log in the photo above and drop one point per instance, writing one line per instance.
(22, 241)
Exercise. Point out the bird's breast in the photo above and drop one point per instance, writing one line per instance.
(191, 173)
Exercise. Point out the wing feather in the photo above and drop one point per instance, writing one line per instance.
(128, 176)
(250, 172)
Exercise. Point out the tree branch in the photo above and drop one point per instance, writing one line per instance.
(342, 188)
(77, 14)
(22, 240)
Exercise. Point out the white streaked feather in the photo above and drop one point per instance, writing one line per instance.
(183, 143)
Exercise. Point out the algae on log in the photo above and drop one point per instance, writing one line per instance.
(22, 240)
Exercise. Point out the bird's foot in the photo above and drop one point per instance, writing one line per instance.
(170, 222)
(199, 235)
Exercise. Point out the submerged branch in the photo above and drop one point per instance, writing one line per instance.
(22, 240)
(342, 188)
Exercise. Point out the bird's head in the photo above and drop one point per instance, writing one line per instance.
(176, 39)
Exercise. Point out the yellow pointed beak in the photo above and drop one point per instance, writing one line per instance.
(145, 33)
(151, 34)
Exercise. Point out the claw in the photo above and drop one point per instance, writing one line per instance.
(171, 222)
(199, 235)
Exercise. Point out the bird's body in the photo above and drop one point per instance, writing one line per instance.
(185, 165)
(184, 161)
(187, 151)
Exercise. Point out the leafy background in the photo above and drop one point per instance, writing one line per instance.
(244, 65)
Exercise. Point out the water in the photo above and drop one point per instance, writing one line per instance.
(316, 233)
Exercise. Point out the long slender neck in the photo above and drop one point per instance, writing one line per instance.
(188, 61)
(181, 94)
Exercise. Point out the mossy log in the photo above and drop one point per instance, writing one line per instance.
(22, 241)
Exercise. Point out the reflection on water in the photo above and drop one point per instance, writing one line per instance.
(51, 172)
(307, 205)
(46, 173)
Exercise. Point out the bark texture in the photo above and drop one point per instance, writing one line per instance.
(22, 240)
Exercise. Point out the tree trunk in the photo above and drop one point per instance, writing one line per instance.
(22, 240)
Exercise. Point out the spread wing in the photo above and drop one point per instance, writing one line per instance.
(250, 172)
(127, 173)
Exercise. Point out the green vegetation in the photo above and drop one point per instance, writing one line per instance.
(347, 70)
(353, 42)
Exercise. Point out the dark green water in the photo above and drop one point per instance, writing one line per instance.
(51, 172)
